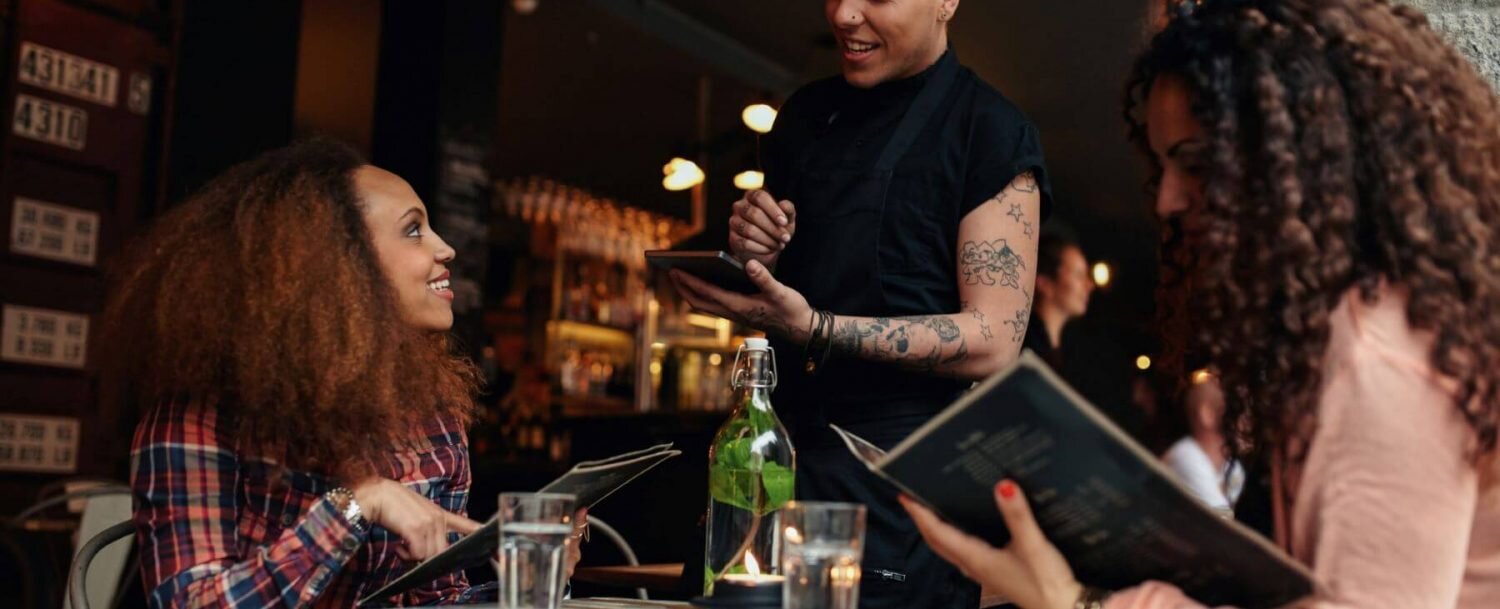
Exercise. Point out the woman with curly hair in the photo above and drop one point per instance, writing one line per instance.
(302, 439)
(1330, 174)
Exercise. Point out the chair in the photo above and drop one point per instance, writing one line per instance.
(624, 546)
(106, 504)
(78, 575)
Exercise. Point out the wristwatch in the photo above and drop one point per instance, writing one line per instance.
(344, 503)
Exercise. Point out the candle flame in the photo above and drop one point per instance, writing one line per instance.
(751, 567)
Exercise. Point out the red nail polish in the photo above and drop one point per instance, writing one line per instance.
(1008, 489)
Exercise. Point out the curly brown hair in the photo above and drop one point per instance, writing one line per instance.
(1349, 145)
(262, 296)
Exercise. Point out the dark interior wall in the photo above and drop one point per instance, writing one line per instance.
(338, 52)
(236, 75)
(438, 64)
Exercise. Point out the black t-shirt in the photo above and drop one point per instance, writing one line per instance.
(974, 145)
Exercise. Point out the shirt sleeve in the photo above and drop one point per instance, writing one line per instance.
(1197, 474)
(186, 475)
(1003, 145)
(452, 588)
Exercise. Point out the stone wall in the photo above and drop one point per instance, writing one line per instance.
(1473, 26)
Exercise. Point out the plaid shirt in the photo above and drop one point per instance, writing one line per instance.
(222, 529)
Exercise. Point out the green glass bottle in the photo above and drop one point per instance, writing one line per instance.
(751, 468)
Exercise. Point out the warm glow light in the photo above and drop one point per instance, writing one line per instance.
(681, 174)
(1101, 274)
(749, 180)
(1143, 362)
(751, 567)
(759, 117)
(700, 320)
(655, 367)
(715, 359)
(1201, 376)
(792, 535)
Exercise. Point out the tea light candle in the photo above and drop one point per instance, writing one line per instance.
(748, 591)
(752, 590)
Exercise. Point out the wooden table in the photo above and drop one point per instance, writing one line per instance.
(621, 603)
(660, 577)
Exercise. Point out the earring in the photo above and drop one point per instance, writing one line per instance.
(943, 16)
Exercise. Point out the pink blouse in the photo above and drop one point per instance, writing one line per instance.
(1387, 509)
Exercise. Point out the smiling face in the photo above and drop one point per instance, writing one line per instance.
(413, 257)
(885, 40)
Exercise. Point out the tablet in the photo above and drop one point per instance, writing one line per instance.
(715, 267)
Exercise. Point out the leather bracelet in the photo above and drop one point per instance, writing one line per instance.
(815, 327)
(1090, 598)
(812, 331)
(817, 341)
(827, 338)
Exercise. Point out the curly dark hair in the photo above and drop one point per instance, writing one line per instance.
(262, 296)
(1348, 145)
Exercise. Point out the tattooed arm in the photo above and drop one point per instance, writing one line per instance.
(996, 274)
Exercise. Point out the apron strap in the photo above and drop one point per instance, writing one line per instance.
(920, 112)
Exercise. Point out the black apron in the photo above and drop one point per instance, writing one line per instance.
(835, 261)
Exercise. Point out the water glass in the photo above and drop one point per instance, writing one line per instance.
(532, 558)
(822, 544)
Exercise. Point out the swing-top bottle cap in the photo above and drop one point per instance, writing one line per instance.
(757, 343)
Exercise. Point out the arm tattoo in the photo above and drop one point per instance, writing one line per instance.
(1018, 324)
(981, 260)
(1026, 182)
(921, 343)
(1028, 230)
(762, 319)
(984, 328)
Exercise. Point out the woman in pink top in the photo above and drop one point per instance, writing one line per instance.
(1329, 171)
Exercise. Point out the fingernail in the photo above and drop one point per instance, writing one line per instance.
(781, 219)
(785, 238)
(1007, 489)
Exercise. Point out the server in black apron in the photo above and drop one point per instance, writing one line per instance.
(896, 263)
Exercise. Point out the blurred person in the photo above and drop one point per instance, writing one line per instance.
(1201, 459)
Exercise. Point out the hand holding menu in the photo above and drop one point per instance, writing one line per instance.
(589, 481)
(1116, 515)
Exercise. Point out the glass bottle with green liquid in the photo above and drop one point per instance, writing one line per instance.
(751, 467)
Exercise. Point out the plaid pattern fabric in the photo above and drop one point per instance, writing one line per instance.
(222, 529)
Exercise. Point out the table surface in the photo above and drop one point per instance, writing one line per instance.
(664, 577)
(621, 603)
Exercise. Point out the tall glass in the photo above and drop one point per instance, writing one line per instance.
(532, 558)
(822, 546)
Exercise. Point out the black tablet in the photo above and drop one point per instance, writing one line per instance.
(715, 267)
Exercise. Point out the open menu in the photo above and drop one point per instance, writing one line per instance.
(1113, 511)
(589, 481)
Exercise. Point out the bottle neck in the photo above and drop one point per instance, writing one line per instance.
(757, 377)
